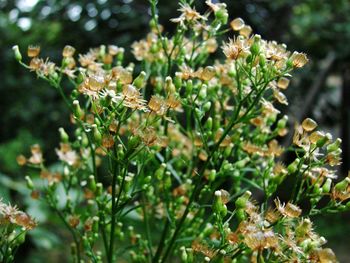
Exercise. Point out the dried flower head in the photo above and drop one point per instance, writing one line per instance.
(33, 51)
(288, 210)
(237, 24)
(68, 51)
(299, 59)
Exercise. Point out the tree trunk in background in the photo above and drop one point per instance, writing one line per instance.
(345, 120)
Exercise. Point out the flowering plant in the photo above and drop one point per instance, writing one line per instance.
(176, 158)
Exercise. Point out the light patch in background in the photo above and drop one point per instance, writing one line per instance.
(90, 25)
(26, 5)
(74, 12)
(13, 15)
(24, 23)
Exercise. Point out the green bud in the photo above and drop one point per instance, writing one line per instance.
(29, 182)
(242, 163)
(184, 256)
(209, 123)
(177, 82)
(255, 48)
(222, 16)
(317, 190)
(95, 224)
(77, 110)
(167, 181)
(84, 140)
(203, 92)
(189, 87)
(92, 183)
(327, 186)
(80, 78)
(228, 150)
(63, 135)
(262, 61)
(281, 124)
(160, 171)
(99, 189)
(334, 146)
(206, 106)
(227, 167)
(139, 82)
(292, 168)
(199, 113)
(212, 175)
(18, 55)
(219, 207)
(241, 201)
(74, 95)
(96, 133)
(342, 185)
(169, 86)
(120, 57)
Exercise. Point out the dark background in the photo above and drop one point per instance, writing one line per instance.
(31, 112)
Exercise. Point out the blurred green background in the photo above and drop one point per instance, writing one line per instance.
(31, 112)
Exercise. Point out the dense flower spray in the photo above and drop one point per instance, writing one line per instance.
(181, 145)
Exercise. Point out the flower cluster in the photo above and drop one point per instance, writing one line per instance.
(179, 145)
(13, 226)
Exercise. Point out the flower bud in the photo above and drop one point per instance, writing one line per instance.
(324, 140)
(334, 146)
(246, 31)
(169, 85)
(139, 82)
(342, 185)
(222, 16)
(327, 186)
(209, 123)
(281, 124)
(292, 168)
(29, 182)
(184, 256)
(18, 55)
(77, 110)
(237, 24)
(262, 61)
(203, 92)
(99, 189)
(160, 171)
(189, 87)
(92, 183)
(219, 207)
(206, 106)
(241, 201)
(33, 51)
(283, 83)
(96, 133)
(212, 175)
(63, 135)
(255, 48)
(177, 81)
(309, 124)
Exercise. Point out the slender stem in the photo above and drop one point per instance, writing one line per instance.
(148, 232)
(113, 216)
